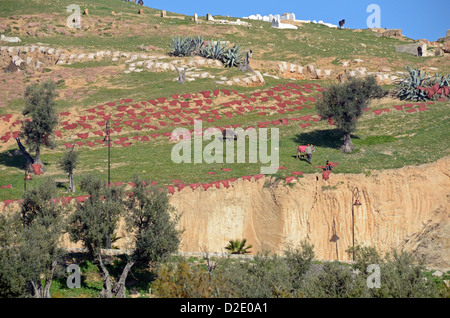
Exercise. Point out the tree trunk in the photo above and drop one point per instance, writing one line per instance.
(106, 291)
(119, 290)
(25, 153)
(48, 281)
(44, 292)
(37, 289)
(347, 145)
(71, 183)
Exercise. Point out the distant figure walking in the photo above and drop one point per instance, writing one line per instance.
(301, 150)
(341, 23)
(308, 152)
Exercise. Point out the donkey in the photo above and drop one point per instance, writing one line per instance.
(341, 23)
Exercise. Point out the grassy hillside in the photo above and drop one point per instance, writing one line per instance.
(391, 139)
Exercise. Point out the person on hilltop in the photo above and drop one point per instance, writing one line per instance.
(308, 152)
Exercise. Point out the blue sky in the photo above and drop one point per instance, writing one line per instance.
(418, 19)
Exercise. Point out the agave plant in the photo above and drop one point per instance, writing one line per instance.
(180, 46)
(213, 51)
(232, 56)
(196, 44)
(437, 85)
(410, 86)
(186, 46)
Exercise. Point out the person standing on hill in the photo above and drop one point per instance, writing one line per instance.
(308, 152)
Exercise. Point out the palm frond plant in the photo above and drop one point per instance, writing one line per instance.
(238, 246)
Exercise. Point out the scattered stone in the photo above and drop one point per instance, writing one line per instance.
(438, 52)
(438, 273)
(447, 47)
(4, 38)
(209, 17)
(445, 38)
(394, 33)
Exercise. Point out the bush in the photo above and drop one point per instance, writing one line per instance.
(335, 281)
(401, 277)
(299, 261)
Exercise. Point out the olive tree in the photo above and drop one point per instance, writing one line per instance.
(344, 103)
(149, 220)
(29, 244)
(68, 163)
(37, 129)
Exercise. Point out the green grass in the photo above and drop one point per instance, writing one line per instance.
(411, 141)
(390, 140)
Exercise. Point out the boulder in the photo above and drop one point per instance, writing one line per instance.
(4, 38)
(445, 38)
(394, 33)
(446, 47)
(438, 52)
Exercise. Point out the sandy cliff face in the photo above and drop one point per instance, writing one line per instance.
(402, 208)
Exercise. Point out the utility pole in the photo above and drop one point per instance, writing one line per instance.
(355, 196)
(108, 139)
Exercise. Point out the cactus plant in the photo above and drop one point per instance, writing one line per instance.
(213, 51)
(408, 88)
(190, 46)
(438, 86)
(232, 56)
(186, 46)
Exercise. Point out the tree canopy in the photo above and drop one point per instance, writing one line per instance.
(40, 108)
(29, 244)
(344, 103)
